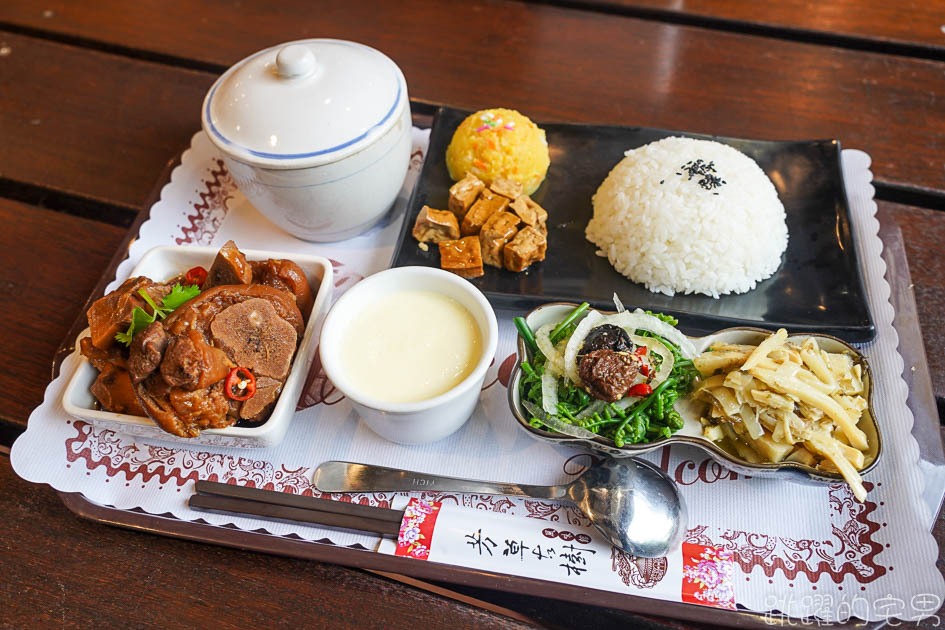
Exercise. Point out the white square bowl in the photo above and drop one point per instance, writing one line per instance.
(162, 263)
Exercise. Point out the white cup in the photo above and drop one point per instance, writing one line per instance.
(316, 133)
(426, 420)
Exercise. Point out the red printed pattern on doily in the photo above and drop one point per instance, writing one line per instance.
(504, 375)
(416, 160)
(638, 572)
(211, 208)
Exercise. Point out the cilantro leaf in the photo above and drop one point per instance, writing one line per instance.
(124, 337)
(140, 319)
(179, 295)
(157, 310)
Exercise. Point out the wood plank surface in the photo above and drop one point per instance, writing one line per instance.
(92, 124)
(909, 22)
(50, 263)
(553, 63)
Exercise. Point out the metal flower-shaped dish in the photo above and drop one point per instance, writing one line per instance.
(691, 433)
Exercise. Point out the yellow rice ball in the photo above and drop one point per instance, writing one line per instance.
(496, 143)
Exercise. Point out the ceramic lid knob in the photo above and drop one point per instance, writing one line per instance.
(295, 61)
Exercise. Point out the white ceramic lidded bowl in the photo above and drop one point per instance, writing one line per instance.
(316, 133)
(426, 420)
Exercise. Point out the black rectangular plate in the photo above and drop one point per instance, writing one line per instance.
(818, 287)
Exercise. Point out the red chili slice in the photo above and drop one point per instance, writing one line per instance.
(240, 384)
(196, 275)
(640, 389)
(640, 351)
(644, 369)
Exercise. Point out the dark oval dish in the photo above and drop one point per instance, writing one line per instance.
(557, 310)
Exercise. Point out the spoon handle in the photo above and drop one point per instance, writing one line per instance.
(351, 477)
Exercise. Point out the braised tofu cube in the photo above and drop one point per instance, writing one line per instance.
(528, 246)
(463, 194)
(433, 226)
(488, 204)
(463, 257)
(530, 212)
(498, 230)
(507, 187)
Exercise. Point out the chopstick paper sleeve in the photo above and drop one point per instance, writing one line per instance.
(568, 550)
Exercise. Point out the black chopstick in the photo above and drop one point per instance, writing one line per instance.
(284, 514)
(280, 506)
(297, 501)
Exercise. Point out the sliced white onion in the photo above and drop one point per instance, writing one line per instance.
(557, 424)
(638, 320)
(618, 304)
(549, 392)
(576, 342)
(554, 360)
(655, 346)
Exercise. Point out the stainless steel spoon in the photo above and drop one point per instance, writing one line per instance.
(630, 501)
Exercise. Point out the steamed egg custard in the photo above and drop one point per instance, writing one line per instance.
(410, 345)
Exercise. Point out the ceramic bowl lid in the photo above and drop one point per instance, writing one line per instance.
(304, 103)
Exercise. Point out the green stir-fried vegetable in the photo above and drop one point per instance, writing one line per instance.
(644, 420)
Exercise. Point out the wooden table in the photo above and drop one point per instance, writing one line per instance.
(97, 97)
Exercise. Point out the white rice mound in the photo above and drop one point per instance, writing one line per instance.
(664, 230)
